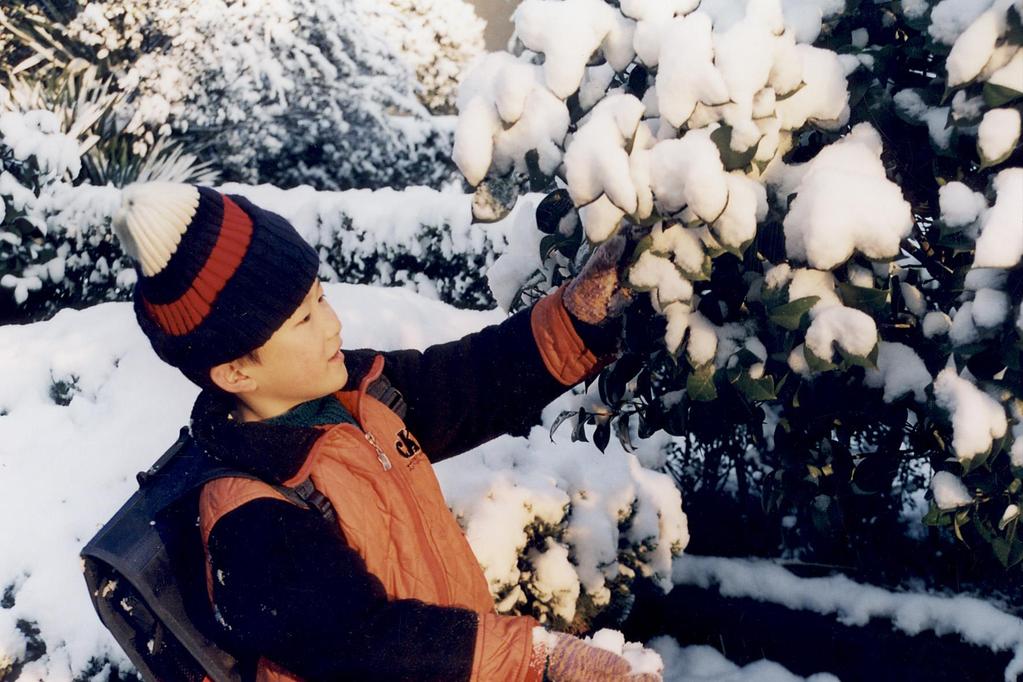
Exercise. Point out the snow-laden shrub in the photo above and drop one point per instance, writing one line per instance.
(61, 145)
(417, 237)
(831, 268)
(437, 38)
(562, 534)
(47, 260)
(288, 93)
(60, 251)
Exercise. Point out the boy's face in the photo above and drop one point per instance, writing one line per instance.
(300, 362)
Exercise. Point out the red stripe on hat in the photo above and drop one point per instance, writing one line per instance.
(185, 314)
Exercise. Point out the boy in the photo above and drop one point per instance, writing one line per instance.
(387, 588)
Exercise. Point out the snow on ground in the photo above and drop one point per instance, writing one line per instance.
(976, 621)
(703, 663)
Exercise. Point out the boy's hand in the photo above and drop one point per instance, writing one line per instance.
(573, 660)
(596, 294)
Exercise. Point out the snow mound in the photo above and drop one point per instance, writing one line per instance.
(828, 220)
(977, 418)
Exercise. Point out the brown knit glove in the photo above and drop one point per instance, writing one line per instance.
(573, 660)
(596, 294)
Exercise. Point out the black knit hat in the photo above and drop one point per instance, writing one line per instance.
(217, 274)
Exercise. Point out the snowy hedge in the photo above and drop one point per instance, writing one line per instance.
(59, 250)
(831, 216)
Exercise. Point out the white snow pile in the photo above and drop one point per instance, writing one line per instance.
(949, 491)
(998, 134)
(960, 206)
(830, 219)
(977, 52)
(504, 111)
(977, 418)
(852, 330)
(834, 326)
(38, 134)
(949, 18)
(737, 79)
(68, 468)
(703, 663)
(852, 603)
(899, 371)
(1000, 244)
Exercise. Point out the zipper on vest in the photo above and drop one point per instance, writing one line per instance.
(381, 455)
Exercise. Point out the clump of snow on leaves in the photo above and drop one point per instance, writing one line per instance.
(977, 418)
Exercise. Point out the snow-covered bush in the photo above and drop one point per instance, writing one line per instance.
(418, 238)
(59, 249)
(437, 38)
(61, 146)
(288, 93)
(561, 534)
(45, 254)
(833, 241)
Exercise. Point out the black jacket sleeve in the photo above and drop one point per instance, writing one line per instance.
(492, 382)
(289, 587)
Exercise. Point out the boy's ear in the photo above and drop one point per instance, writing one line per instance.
(232, 378)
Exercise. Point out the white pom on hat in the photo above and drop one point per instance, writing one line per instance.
(151, 220)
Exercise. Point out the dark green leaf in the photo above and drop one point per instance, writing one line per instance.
(700, 383)
(644, 244)
(874, 473)
(538, 180)
(757, 389)
(638, 83)
(579, 432)
(675, 419)
(622, 432)
(790, 315)
(552, 209)
(867, 299)
(860, 360)
(602, 434)
(731, 159)
(937, 517)
(559, 420)
(999, 95)
(817, 364)
(1008, 552)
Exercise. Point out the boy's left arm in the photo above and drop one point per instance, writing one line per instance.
(463, 393)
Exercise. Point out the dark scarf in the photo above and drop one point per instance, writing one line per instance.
(316, 412)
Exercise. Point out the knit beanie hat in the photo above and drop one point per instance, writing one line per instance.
(217, 276)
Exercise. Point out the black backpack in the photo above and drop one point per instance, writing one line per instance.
(145, 570)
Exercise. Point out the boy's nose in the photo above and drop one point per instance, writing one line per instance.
(335, 322)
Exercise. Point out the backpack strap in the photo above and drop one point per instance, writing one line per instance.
(382, 389)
